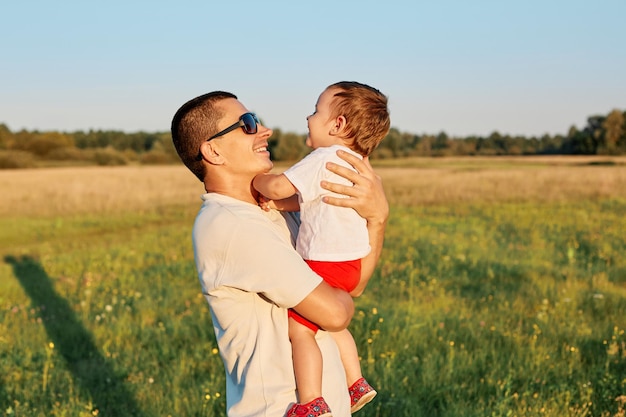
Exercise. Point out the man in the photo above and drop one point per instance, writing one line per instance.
(248, 269)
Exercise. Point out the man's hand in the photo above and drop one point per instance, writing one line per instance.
(366, 196)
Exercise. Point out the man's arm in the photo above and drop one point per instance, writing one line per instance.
(328, 307)
(367, 197)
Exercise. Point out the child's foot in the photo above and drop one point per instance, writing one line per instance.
(360, 394)
(315, 408)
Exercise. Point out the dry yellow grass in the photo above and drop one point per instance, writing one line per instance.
(54, 191)
(548, 183)
(63, 191)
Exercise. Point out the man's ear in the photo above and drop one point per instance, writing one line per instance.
(210, 153)
(338, 126)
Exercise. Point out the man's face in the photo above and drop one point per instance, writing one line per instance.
(242, 153)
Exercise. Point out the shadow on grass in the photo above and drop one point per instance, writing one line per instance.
(88, 367)
(4, 397)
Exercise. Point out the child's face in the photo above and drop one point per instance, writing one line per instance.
(321, 124)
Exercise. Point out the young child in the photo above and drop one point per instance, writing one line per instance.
(352, 117)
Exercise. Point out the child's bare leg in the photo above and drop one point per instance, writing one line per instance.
(307, 361)
(349, 355)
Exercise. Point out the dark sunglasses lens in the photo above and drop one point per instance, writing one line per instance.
(249, 123)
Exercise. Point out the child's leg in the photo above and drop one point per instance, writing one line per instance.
(307, 361)
(360, 391)
(349, 355)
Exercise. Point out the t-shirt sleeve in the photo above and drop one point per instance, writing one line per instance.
(307, 174)
(258, 259)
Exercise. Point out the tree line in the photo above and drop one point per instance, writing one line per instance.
(603, 135)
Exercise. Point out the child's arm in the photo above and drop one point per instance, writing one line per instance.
(274, 186)
(286, 204)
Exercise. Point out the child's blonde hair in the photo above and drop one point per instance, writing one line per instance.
(366, 113)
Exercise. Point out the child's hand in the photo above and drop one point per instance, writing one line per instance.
(266, 203)
(286, 204)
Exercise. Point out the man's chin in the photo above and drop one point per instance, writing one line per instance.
(269, 168)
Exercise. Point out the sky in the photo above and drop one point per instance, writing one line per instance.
(527, 68)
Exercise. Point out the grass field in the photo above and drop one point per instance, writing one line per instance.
(501, 291)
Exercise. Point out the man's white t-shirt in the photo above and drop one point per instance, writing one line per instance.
(327, 232)
(250, 274)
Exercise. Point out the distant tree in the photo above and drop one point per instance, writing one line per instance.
(621, 143)
(499, 143)
(594, 130)
(162, 150)
(604, 134)
(165, 144)
(412, 143)
(441, 141)
(470, 144)
(517, 145)
(91, 139)
(613, 130)
(109, 156)
(581, 143)
(550, 145)
(393, 143)
(288, 146)
(6, 137)
(491, 145)
(425, 145)
(441, 145)
(531, 146)
(42, 143)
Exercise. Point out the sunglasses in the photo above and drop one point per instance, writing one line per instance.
(248, 122)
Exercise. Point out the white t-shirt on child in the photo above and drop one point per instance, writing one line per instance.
(327, 232)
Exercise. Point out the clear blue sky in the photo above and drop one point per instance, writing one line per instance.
(464, 67)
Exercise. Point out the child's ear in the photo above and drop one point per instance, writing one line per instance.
(339, 125)
(211, 153)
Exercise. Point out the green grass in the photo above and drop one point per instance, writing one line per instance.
(493, 309)
(512, 309)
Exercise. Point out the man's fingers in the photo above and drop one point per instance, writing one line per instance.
(342, 171)
(338, 188)
(349, 158)
(339, 202)
(362, 166)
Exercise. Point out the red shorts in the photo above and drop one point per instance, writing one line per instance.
(344, 275)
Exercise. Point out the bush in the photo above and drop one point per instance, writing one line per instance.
(382, 153)
(16, 159)
(156, 158)
(109, 157)
(70, 154)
